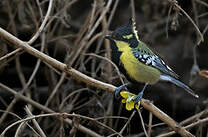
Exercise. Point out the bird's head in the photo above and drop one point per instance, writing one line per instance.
(126, 34)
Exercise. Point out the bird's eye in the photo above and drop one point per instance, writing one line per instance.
(116, 36)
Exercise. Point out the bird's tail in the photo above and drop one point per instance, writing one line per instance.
(178, 83)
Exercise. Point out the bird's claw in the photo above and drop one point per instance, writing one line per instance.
(119, 89)
(138, 98)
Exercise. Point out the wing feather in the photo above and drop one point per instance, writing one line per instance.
(154, 61)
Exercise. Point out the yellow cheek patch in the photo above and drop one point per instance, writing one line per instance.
(128, 36)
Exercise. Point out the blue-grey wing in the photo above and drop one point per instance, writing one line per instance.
(154, 61)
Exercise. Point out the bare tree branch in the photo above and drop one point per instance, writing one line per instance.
(93, 82)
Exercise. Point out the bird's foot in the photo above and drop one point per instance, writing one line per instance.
(139, 96)
(119, 89)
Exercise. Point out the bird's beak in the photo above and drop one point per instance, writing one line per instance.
(108, 37)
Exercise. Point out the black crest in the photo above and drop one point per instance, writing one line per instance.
(123, 32)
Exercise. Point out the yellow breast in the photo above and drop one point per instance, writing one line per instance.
(137, 70)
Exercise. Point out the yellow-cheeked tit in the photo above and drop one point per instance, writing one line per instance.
(137, 62)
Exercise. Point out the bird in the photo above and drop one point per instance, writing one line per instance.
(138, 63)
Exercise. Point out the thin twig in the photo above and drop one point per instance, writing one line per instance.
(91, 119)
(128, 121)
(68, 96)
(114, 65)
(189, 120)
(40, 131)
(149, 125)
(23, 81)
(166, 119)
(13, 114)
(42, 26)
(10, 54)
(166, 26)
(46, 109)
(19, 129)
(39, 8)
(133, 10)
(27, 119)
(195, 26)
(100, 18)
(186, 127)
(142, 121)
(202, 2)
(37, 34)
(93, 82)
(205, 30)
(61, 80)
(112, 13)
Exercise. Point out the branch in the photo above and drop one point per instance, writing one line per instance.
(37, 34)
(46, 109)
(197, 123)
(175, 3)
(165, 118)
(29, 113)
(91, 81)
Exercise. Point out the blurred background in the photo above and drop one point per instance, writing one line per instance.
(74, 34)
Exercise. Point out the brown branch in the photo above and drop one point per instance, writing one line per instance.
(174, 2)
(202, 2)
(13, 114)
(41, 132)
(10, 54)
(165, 118)
(142, 122)
(22, 79)
(69, 121)
(55, 90)
(19, 129)
(93, 82)
(197, 123)
(114, 65)
(128, 121)
(149, 125)
(133, 14)
(100, 19)
(37, 34)
(46, 109)
(188, 120)
(27, 119)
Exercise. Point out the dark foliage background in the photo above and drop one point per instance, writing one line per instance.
(68, 37)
